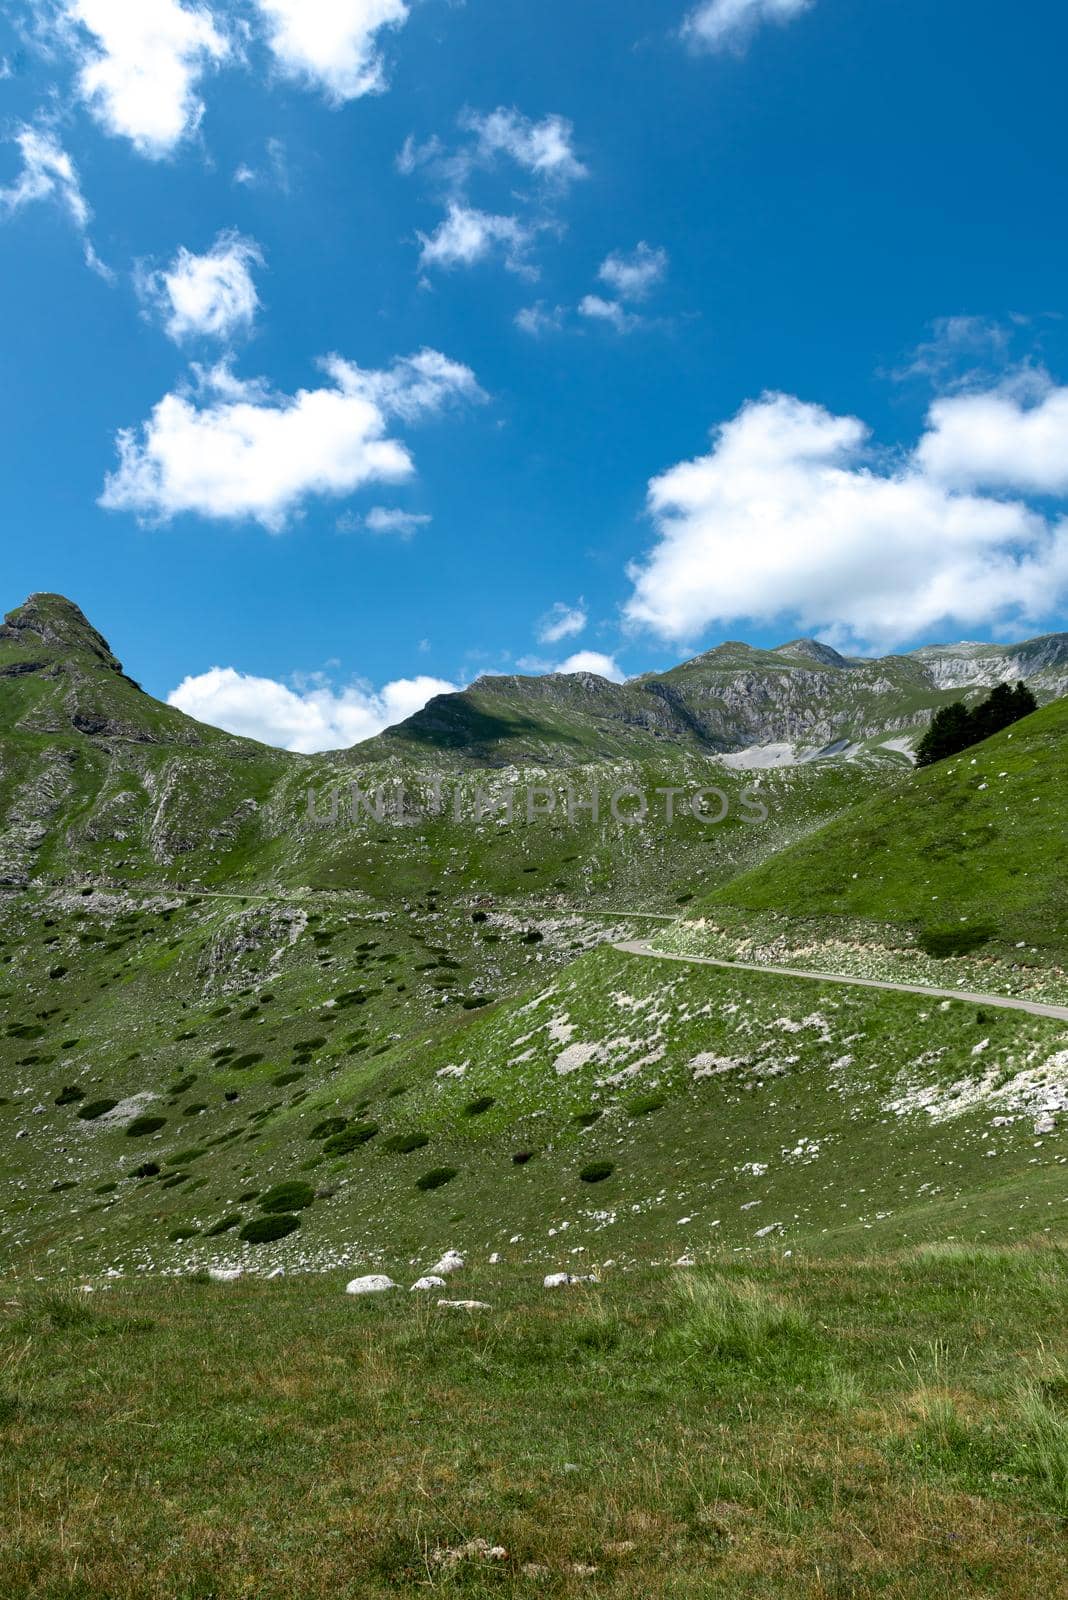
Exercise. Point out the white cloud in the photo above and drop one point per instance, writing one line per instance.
(544, 148)
(562, 622)
(786, 518)
(729, 24)
(465, 236)
(633, 276)
(540, 319)
(996, 441)
(308, 719)
(597, 309)
(391, 519)
(140, 72)
(231, 449)
(331, 44)
(48, 173)
(593, 661)
(582, 661)
(208, 296)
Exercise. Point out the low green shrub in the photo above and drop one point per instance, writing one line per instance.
(177, 1234)
(643, 1104)
(290, 1196)
(262, 1230)
(597, 1171)
(224, 1225)
(328, 1127)
(147, 1169)
(285, 1078)
(350, 1138)
(586, 1119)
(405, 1143)
(958, 941)
(96, 1108)
(69, 1095)
(249, 1059)
(140, 1127)
(521, 1158)
(476, 1108)
(436, 1178)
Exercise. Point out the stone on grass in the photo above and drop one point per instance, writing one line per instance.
(451, 1261)
(429, 1282)
(464, 1305)
(224, 1274)
(565, 1280)
(374, 1283)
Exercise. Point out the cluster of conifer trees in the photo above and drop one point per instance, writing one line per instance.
(958, 726)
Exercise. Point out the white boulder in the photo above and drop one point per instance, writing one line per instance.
(451, 1261)
(374, 1283)
(429, 1282)
(464, 1305)
(566, 1280)
(224, 1274)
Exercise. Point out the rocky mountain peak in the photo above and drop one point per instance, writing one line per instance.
(813, 650)
(56, 622)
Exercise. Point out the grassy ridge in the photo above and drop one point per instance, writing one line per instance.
(981, 838)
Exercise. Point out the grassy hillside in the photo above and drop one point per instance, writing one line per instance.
(978, 842)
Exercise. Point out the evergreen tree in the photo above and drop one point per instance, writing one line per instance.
(950, 731)
(955, 728)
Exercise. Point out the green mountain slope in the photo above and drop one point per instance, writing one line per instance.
(980, 840)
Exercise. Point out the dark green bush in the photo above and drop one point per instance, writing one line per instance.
(262, 1230)
(342, 1144)
(436, 1178)
(643, 1104)
(183, 1084)
(597, 1171)
(177, 1234)
(239, 1063)
(147, 1169)
(959, 941)
(291, 1196)
(586, 1119)
(405, 1143)
(328, 1127)
(96, 1108)
(521, 1158)
(285, 1078)
(105, 1188)
(69, 1095)
(140, 1127)
(224, 1225)
(475, 1108)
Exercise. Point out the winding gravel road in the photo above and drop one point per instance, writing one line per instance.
(641, 947)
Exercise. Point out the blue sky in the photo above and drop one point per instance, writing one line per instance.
(355, 347)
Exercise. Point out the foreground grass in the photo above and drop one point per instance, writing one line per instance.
(894, 1427)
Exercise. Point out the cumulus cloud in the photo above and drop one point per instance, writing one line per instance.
(391, 519)
(545, 148)
(562, 621)
(48, 173)
(632, 276)
(598, 309)
(465, 236)
(227, 448)
(582, 661)
(787, 517)
(999, 441)
(311, 717)
(208, 296)
(729, 24)
(593, 661)
(140, 64)
(332, 44)
(540, 319)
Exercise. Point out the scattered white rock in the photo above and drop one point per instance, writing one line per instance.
(1046, 1123)
(429, 1282)
(565, 1280)
(224, 1274)
(451, 1261)
(464, 1305)
(374, 1283)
